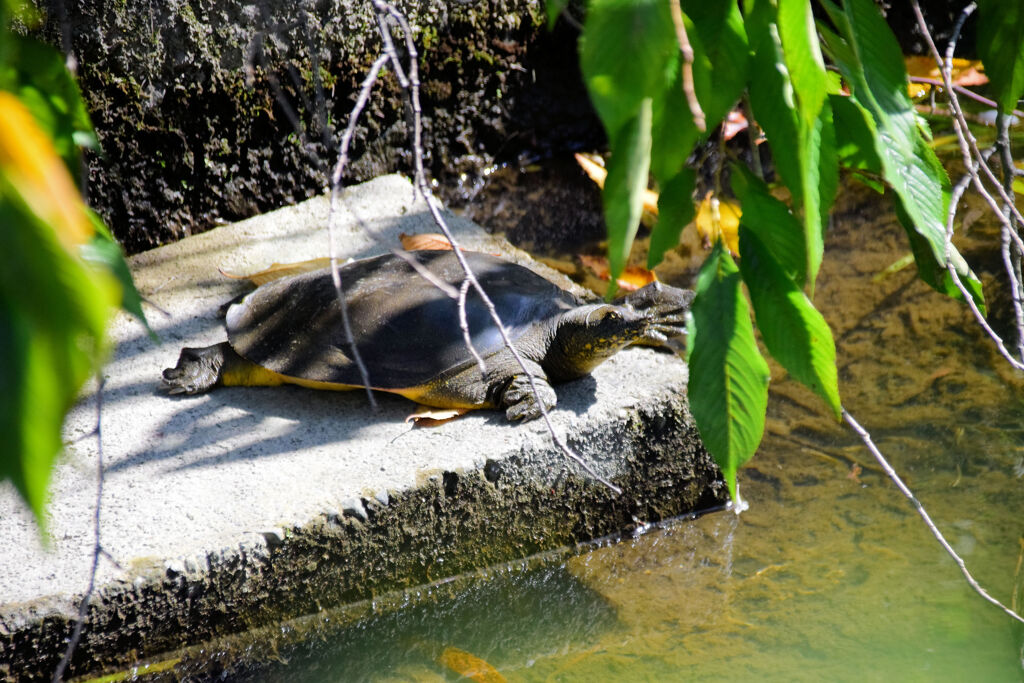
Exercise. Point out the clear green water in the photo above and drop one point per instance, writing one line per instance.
(824, 578)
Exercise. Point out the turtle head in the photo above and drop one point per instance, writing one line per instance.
(664, 308)
(588, 335)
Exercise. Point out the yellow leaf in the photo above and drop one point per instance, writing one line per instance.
(428, 416)
(276, 271)
(597, 173)
(719, 219)
(425, 241)
(965, 72)
(30, 164)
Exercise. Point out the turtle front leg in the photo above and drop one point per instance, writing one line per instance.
(198, 369)
(520, 401)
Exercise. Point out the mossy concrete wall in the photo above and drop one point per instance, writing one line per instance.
(210, 111)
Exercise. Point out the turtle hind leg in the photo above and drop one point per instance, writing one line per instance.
(198, 369)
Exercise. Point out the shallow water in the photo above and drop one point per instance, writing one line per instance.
(830, 575)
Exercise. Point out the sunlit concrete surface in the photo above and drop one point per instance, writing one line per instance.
(247, 505)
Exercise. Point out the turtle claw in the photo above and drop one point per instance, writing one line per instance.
(196, 372)
(520, 401)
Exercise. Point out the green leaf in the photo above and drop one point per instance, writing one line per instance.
(779, 230)
(53, 313)
(799, 129)
(105, 252)
(793, 330)
(728, 386)
(721, 59)
(869, 57)
(38, 77)
(803, 56)
(935, 274)
(675, 211)
(554, 9)
(1001, 46)
(624, 188)
(673, 128)
(855, 135)
(627, 53)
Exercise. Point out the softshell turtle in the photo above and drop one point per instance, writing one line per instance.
(290, 331)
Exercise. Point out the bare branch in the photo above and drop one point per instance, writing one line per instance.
(97, 547)
(870, 445)
(963, 91)
(699, 119)
(434, 206)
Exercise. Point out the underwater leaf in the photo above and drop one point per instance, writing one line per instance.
(625, 187)
(469, 666)
(793, 330)
(728, 385)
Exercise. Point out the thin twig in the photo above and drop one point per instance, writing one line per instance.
(97, 548)
(870, 445)
(963, 91)
(423, 187)
(974, 160)
(1011, 256)
(699, 120)
(968, 144)
(339, 167)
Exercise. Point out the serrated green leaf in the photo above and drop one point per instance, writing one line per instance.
(674, 130)
(803, 56)
(1001, 46)
(793, 330)
(53, 312)
(728, 385)
(855, 135)
(675, 211)
(627, 50)
(803, 145)
(624, 187)
(869, 57)
(935, 274)
(53, 309)
(774, 106)
(779, 230)
(721, 59)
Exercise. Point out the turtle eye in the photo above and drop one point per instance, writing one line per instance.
(613, 316)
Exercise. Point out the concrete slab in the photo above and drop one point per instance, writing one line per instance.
(248, 505)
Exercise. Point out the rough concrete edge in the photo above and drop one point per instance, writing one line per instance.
(378, 545)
